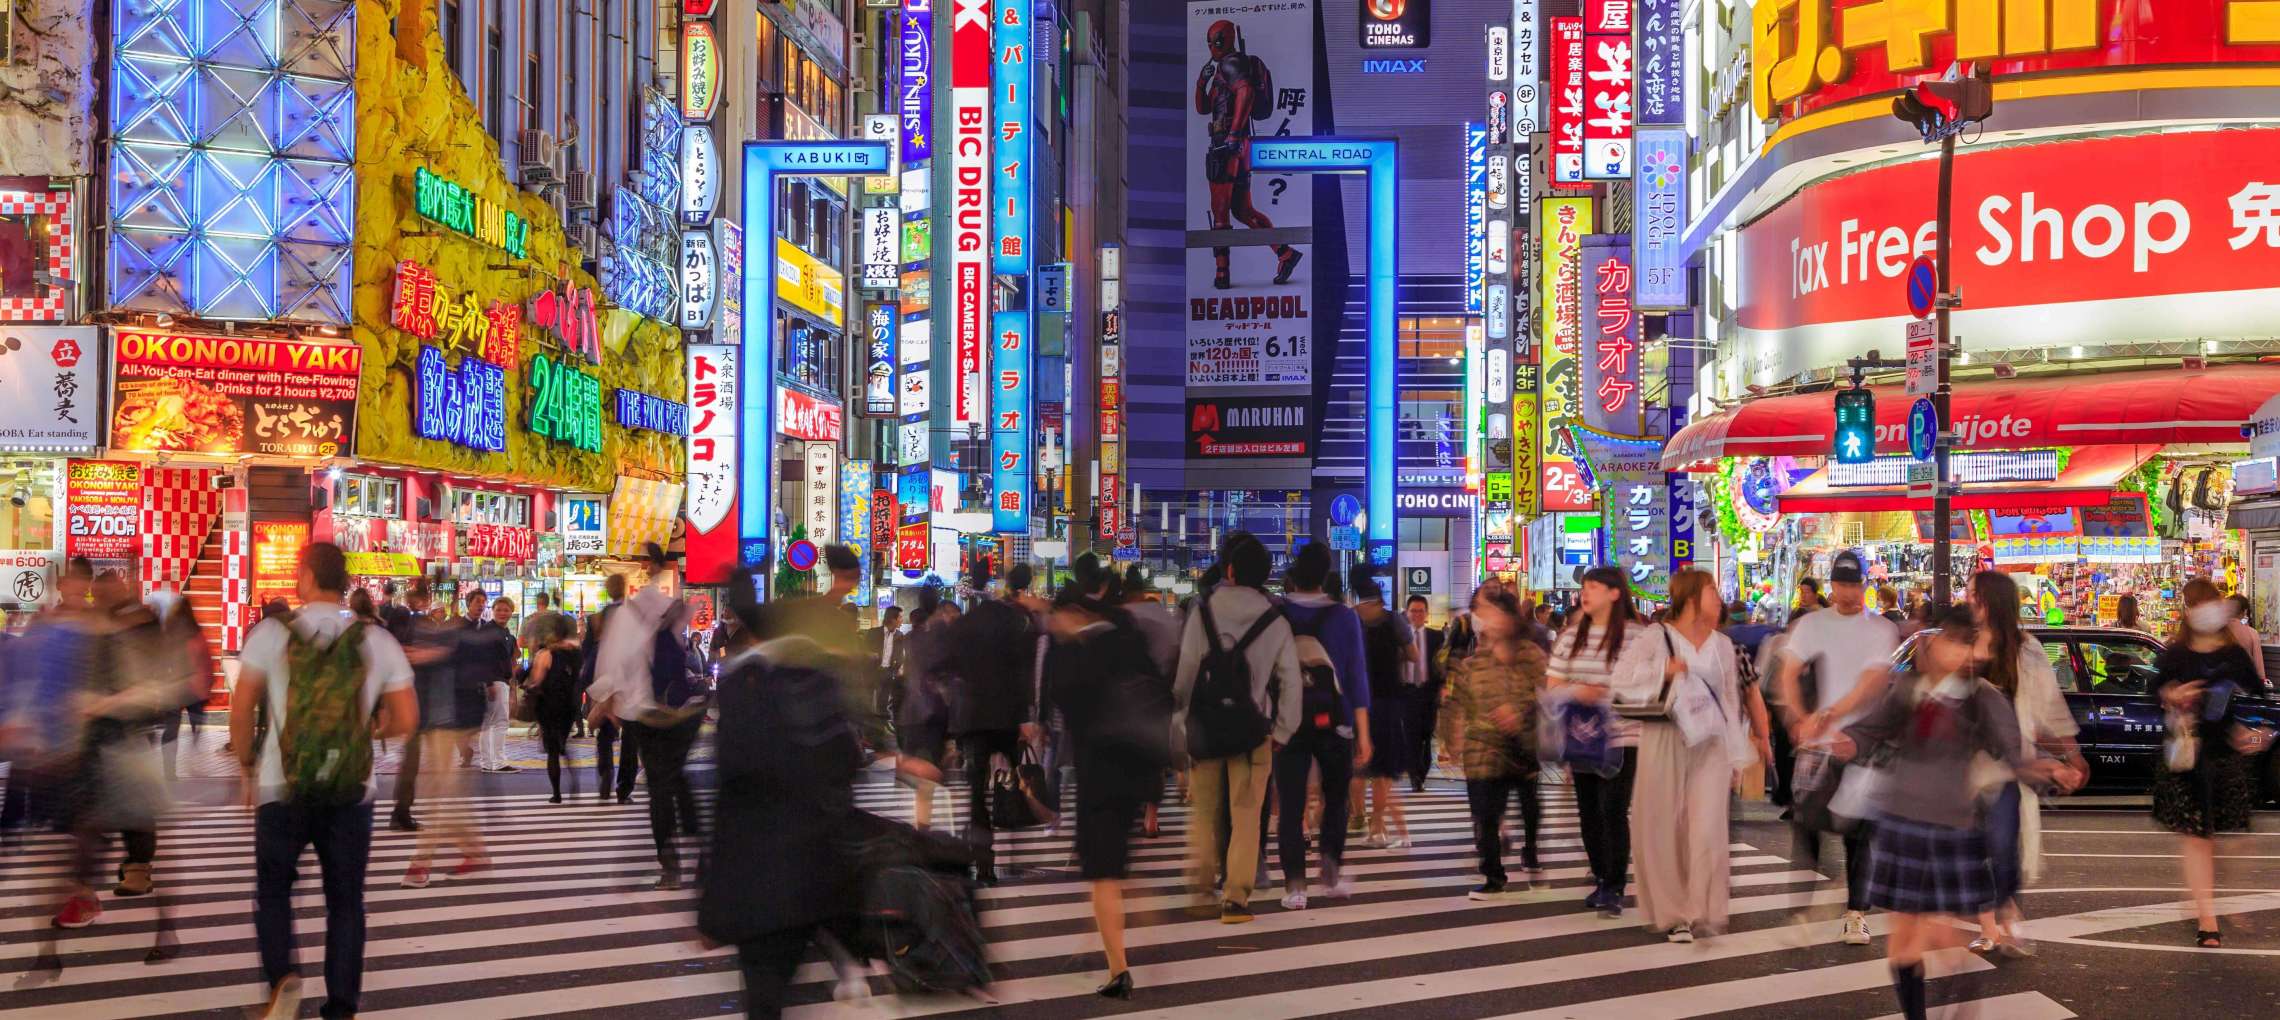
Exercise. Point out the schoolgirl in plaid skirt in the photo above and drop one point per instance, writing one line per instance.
(1930, 857)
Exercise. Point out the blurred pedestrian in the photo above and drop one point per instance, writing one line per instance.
(1333, 733)
(1118, 711)
(552, 684)
(1489, 726)
(329, 684)
(616, 763)
(786, 759)
(2126, 613)
(544, 626)
(429, 647)
(1835, 665)
(1237, 697)
(1930, 858)
(922, 725)
(2202, 785)
(642, 681)
(2019, 668)
(1687, 760)
(1391, 655)
(1583, 664)
(994, 704)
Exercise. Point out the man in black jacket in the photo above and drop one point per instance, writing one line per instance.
(1426, 708)
(625, 765)
(994, 709)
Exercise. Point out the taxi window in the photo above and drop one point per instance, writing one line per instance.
(2062, 663)
(2117, 666)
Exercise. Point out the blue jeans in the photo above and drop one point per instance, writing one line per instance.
(342, 837)
(2002, 830)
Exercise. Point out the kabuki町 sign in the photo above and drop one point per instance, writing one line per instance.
(2054, 248)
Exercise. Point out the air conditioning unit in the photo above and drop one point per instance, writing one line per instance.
(539, 156)
(578, 190)
(584, 237)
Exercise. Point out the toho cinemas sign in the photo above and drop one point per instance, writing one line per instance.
(2093, 241)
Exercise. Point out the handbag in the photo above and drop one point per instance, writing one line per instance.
(1659, 708)
(1582, 738)
(2181, 750)
(1698, 711)
(1009, 804)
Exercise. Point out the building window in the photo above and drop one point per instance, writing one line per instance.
(1423, 533)
(811, 352)
(472, 506)
(1435, 337)
(495, 64)
(1431, 415)
(764, 39)
(370, 496)
(452, 50)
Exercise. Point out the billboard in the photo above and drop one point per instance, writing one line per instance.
(1607, 80)
(1658, 224)
(1009, 423)
(1610, 353)
(1567, 101)
(186, 393)
(1562, 224)
(1009, 135)
(970, 180)
(1228, 427)
(914, 80)
(1249, 288)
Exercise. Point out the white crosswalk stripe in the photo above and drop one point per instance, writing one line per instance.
(565, 922)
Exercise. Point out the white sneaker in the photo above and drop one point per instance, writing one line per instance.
(1294, 900)
(1397, 843)
(1373, 841)
(1338, 888)
(1856, 928)
(1682, 934)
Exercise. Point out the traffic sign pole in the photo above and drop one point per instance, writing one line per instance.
(1944, 439)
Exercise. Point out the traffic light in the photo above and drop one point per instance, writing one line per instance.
(1942, 106)
(1856, 427)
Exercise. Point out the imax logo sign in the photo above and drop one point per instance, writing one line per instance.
(1375, 65)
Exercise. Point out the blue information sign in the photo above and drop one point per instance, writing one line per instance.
(1344, 508)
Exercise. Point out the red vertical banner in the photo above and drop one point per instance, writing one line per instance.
(970, 61)
(1609, 73)
(1567, 101)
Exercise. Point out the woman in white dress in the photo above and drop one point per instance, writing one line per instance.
(1687, 760)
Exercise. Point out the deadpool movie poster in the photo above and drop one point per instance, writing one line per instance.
(1249, 282)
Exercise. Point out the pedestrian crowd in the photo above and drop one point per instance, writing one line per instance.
(1924, 746)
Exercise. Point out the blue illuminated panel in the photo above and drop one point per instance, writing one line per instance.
(764, 162)
(1009, 423)
(637, 410)
(1009, 142)
(233, 147)
(1375, 159)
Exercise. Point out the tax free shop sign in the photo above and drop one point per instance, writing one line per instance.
(2091, 241)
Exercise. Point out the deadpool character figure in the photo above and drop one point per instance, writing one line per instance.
(1233, 89)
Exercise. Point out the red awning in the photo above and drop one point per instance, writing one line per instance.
(2147, 408)
(2088, 480)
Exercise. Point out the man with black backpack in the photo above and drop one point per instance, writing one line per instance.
(1333, 729)
(1238, 696)
(642, 680)
(325, 685)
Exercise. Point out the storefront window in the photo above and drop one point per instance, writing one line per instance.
(1435, 337)
(1424, 532)
(24, 254)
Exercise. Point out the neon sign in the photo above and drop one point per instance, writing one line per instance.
(1009, 423)
(565, 404)
(451, 205)
(636, 410)
(970, 180)
(465, 407)
(425, 308)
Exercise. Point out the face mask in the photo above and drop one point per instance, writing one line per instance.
(2209, 617)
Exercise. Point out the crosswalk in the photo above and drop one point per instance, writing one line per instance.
(566, 924)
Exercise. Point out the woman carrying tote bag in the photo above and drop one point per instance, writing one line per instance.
(1688, 754)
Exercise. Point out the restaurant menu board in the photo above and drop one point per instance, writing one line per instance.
(180, 393)
(102, 509)
(277, 549)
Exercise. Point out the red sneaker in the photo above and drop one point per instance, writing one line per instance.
(416, 875)
(468, 867)
(79, 911)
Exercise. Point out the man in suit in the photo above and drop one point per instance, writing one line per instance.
(1427, 706)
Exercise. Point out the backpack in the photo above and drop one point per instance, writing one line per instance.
(1222, 719)
(1321, 703)
(669, 680)
(325, 745)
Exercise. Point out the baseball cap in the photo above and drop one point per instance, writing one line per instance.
(1845, 568)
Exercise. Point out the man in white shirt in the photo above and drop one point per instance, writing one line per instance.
(1850, 653)
(289, 820)
(626, 687)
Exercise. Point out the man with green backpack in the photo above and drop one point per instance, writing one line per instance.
(314, 688)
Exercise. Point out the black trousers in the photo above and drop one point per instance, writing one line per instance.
(1425, 716)
(1603, 807)
(977, 748)
(1335, 755)
(665, 755)
(1486, 798)
(1807, 847)
(408, 775)
(624, 767)
(768, 963)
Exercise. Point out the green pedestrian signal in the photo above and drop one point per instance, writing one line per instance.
(1856, 427)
